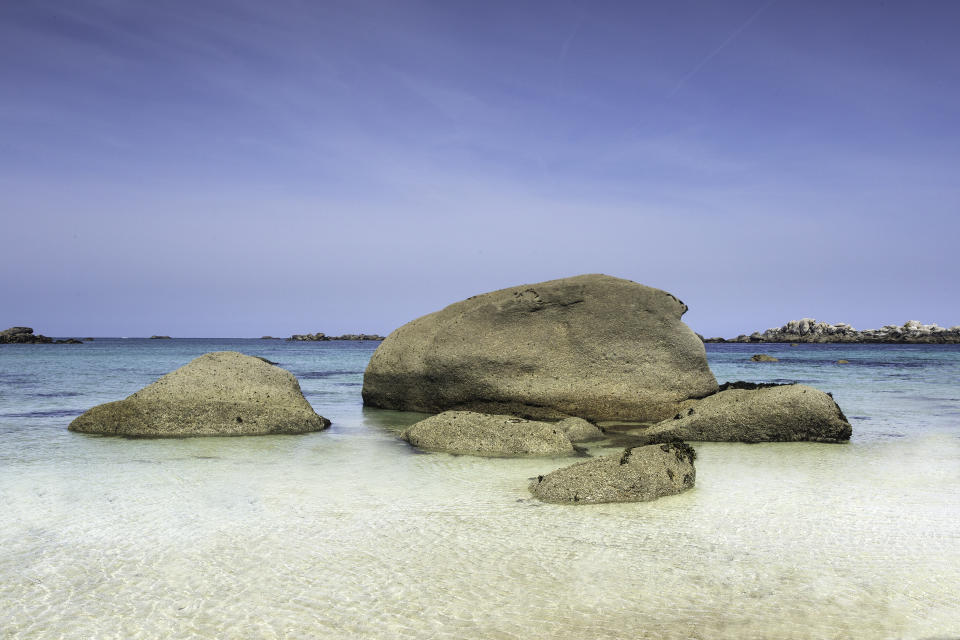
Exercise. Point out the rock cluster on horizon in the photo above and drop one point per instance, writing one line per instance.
(322, 337)
(224, 393)
(809, 330)
(590, 346)
(25, 335)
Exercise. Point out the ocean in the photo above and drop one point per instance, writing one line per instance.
(351, 533)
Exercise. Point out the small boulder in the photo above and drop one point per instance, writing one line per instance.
(843, 362)
(218, 394)
(481, 434)
(639, 474)
(580, 430)
(763, 413)
(762, 357)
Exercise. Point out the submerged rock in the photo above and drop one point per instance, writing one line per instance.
(480, 434)
(762, 357)
(756, 413)
(580, 430)
(638, 474)
(591, 346)
(218, 394)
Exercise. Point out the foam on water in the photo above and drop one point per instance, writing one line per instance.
(350, 533)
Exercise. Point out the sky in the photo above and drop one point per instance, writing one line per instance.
(245, 168)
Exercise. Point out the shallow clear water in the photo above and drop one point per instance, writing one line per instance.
(351, 533)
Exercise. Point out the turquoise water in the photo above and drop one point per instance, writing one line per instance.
(351, 533)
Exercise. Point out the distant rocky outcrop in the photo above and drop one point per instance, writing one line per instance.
(322, 337)
(752, 412)
(218, 394)
(591, 346)
(161, 338)
(22, 335)
(480, 434)
(25, 335)
(268, 338)
(809, 330)
(639, 474)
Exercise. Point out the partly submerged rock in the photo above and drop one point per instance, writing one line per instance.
(843, 361)
(480, 434)
(218, 394)
(580, 430)
(762, 357)
(746, 412)
(591, 346)
(638, 474)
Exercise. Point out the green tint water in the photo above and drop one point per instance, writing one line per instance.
(351, 533)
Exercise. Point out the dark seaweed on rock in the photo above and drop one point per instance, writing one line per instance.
(750, 386)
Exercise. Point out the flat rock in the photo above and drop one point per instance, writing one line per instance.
(756, 413)
(639, 474)
(592, 346)
(762, 357)
(224, 393)
(480, 434)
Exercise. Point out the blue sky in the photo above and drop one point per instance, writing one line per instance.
(246, 168)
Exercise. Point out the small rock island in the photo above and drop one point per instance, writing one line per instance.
(809, 330)
(322, 337)
(25, 335)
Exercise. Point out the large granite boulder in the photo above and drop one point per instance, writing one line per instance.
(480, 434)
(218, 394)
(591, 346)
(638, 474)
(749, 412)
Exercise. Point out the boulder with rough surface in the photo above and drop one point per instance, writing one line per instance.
(749, 412)
(480, 434)
(639, 474)
(218, 394)
(591, 346)
(580, 430)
